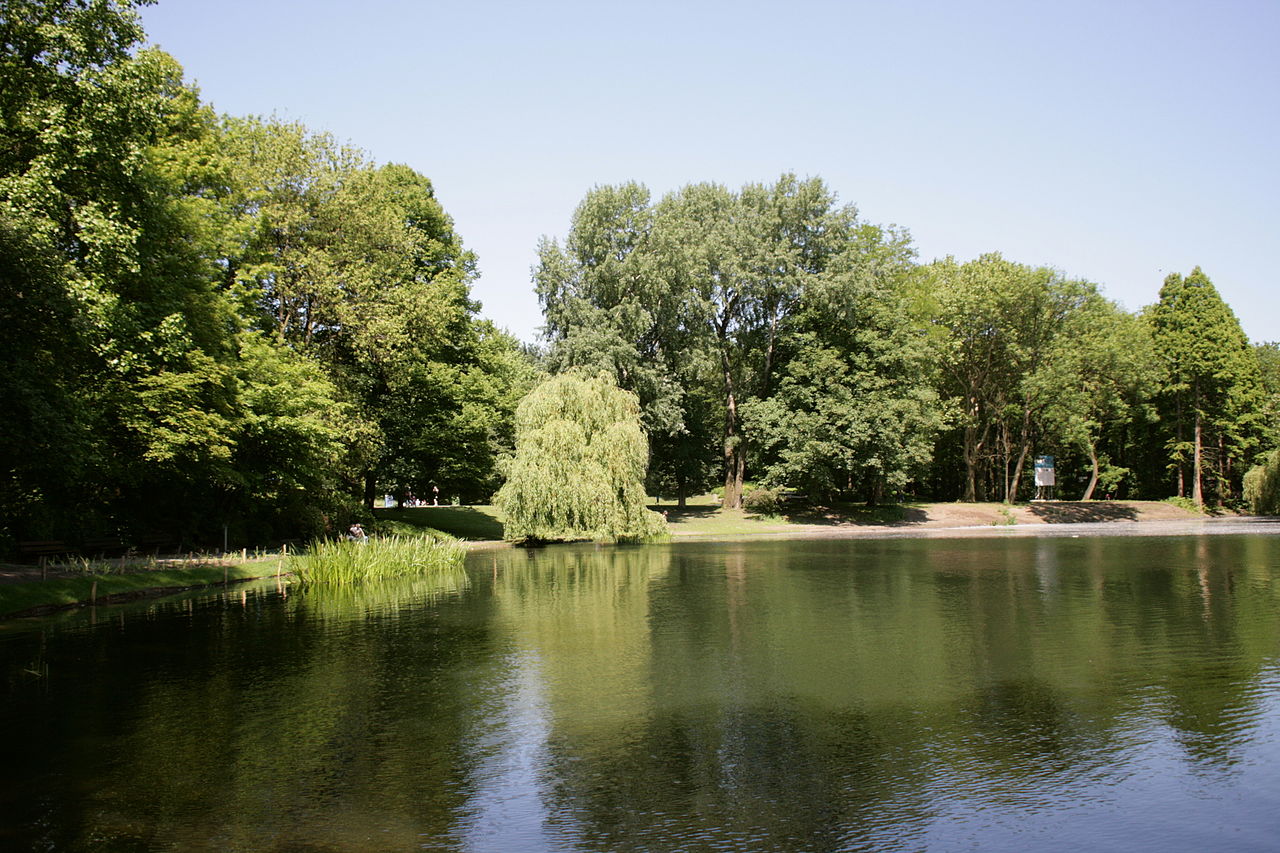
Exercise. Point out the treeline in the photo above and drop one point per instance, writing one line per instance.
(772, 335)
(218, 325)
(211, 320)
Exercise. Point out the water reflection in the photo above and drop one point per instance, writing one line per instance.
(838, 695)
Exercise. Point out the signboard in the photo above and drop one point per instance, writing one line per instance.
(1044, 471)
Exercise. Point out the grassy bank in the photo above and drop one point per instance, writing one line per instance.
(473, 523)
(22, 596)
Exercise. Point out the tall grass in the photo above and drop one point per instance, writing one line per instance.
(343, 561)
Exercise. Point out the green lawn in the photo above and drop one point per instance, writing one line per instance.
(701, 516)
(477, 523)
(21, 596)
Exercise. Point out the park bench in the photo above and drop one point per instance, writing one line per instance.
(102, 546)
(150, 543)
(45, 548)
(42, 550)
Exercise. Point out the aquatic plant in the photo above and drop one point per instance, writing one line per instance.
(344, 561)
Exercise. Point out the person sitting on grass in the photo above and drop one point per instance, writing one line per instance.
(357, 533)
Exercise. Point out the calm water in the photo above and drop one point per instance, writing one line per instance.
(1043, 694)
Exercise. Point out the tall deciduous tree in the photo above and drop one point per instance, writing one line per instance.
(579, 465)
(1099, 374)
(995, 324)
(359, 267)
(854, 410)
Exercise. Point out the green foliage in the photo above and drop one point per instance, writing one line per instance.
(762, 501)
(1184, 503)
(688, 303)
(1099, 374)
(218, 321)
(1262, 486)
(1269, 376)
(1212, 401)
(997, 327)
(578, 470)
(344, 561)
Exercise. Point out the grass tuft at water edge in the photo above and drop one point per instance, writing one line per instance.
(344, 561)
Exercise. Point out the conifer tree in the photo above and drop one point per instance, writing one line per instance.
(1211, 397)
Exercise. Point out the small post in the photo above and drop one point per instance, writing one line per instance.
(225, 569)
(93, 593)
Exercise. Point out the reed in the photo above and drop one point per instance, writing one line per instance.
(343, 561)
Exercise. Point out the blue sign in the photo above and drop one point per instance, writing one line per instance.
(1044, 461)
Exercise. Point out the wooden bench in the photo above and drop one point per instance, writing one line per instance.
(44, 549)
(150, 544)
(101, 546)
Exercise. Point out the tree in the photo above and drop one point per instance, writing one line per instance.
(1211, 398)
(607, 308)
(741, 264)
(1100, 372)
(132, 424)
(995, 323)
(854, 410)
(1269, 374)
(358, 267)
(579, 466)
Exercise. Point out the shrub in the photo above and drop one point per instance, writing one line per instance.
(1262, 486)
(1186, 503)
(762, 501)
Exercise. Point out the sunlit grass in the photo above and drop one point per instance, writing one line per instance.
(478, 523)
(344, 561)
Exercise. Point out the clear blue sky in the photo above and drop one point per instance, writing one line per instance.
(1115, 141)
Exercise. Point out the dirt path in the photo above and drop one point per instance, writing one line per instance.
(1095, 518)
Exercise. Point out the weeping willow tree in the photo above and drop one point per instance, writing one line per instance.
(578, 471)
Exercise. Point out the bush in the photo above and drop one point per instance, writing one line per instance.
(1262, 486)
(762, 501)
(1185, 503)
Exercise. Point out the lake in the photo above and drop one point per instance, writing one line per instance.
(897, 694)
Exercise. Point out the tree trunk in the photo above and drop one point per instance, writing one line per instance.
(1182, 485)
(735, 463)
(1093, 478)
(877, 492)
(1225, 492)
(971, 450)
(1011, 494)
(370, 487)
(1197, 492)
(1013, 484)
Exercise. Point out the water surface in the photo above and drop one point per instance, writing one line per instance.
(1048, 694)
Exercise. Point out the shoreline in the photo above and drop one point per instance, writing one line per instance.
(920, 528)
(1231, 525)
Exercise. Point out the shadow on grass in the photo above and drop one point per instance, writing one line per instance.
(675, 513)
(834, 515)
(1073, 512)
(465, 522)
(880, 515)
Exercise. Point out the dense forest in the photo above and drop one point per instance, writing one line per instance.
(237, 326)
(212, 320)
(773, 335)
